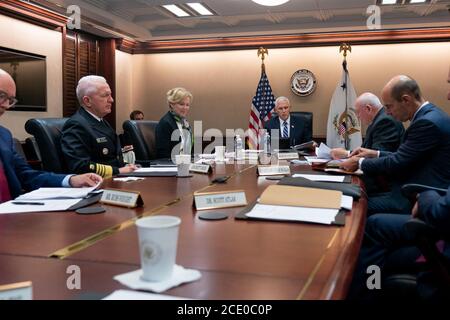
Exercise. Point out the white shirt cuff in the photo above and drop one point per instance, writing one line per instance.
(360, 162)
(65, 183)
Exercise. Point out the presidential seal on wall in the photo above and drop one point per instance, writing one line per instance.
(303, 82)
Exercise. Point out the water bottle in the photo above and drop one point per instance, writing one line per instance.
(266, 142)
(238, 148)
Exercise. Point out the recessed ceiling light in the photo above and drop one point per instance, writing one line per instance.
(270, 3)
(200, 8)
(388, 1)
(176, 10)
(417, 1)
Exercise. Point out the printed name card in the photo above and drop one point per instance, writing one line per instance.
(287, 155)
(17, 291)
(129, 199)
(222, 199)
(200, 168)
(273, 170)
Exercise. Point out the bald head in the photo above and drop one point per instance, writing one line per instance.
(402, 97)
(7, 91)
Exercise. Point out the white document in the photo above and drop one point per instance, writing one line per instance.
(156, 169)
(137, 295)
(57, 193)
(347, 202)
(300, 162)
(48, 205)
(313, 159)
(288, 213)
(320, 177)
(127, 179)
(323, 151)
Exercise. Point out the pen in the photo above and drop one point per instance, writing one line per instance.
(32, 203)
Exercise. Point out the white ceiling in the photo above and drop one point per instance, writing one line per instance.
(146, 20)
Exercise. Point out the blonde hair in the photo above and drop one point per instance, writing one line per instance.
(176, 95)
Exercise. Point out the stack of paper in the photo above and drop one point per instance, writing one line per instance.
(46, 199)
(280, 202)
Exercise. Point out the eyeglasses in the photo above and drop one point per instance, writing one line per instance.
(4, 97)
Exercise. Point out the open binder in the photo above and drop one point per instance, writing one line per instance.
(302, 204)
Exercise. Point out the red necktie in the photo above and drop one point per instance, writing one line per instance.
(4, 188)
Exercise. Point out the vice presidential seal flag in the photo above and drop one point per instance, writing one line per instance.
(261, 111)
(344, 128)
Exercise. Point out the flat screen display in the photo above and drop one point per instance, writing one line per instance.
(29, 73)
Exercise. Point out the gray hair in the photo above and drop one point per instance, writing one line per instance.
(281, 98)
(368, 98)
(88, 85)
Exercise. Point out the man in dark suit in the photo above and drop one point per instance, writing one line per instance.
(423, 154)
(383, 132)
(15, 173)
(288, 126)
(88, 142)
(388, 245)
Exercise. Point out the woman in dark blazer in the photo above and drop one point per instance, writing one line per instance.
(173, 132)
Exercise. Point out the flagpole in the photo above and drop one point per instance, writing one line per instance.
(345, 47)
(263, 52)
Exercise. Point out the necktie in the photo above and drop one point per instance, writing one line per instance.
(285, 130)
(4, 188)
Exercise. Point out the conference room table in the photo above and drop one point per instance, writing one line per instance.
(238, 259)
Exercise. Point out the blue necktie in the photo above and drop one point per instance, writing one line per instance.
(285, 130)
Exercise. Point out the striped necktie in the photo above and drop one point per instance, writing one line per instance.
(285, 129)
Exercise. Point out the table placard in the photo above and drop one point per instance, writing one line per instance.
(17, 291)
(273, 170)
(123, 198)
(220, 199)
(287, 155)
(200, 168)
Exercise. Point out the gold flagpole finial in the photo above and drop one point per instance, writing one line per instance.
(345, 47)
(262, 52)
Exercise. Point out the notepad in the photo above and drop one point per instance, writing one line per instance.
(57, 193)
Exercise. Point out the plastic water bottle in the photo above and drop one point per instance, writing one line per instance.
(266, 142)
(238, 148)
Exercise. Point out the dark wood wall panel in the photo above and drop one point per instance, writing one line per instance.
(84, 55)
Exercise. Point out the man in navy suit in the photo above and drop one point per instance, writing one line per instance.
(15, 174)
(289, 126)
(388, 246)
(383, 132)
(422, 157)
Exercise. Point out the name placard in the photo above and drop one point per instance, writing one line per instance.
(273, 170)
(200, 168)
(221, 199)
(17, 291)
(123, 198)
(287, 155)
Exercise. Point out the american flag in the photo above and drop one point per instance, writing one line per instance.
(261, 111)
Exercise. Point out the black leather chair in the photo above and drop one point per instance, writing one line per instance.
(307, 118)
(141, 134)
(47, 132)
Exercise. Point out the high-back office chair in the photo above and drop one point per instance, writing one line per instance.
(141, 133)
(404, 284)
(307, 118)
(47, 132)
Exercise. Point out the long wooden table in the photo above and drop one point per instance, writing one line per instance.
(238, 259)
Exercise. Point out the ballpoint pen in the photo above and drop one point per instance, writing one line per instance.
(31, 203)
